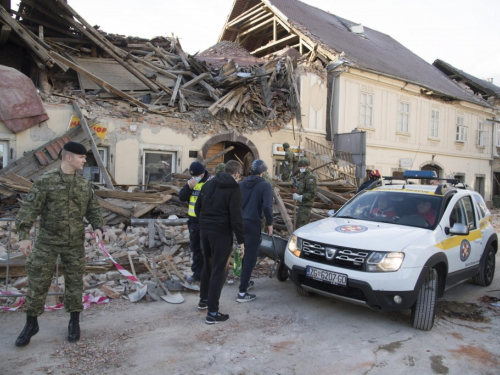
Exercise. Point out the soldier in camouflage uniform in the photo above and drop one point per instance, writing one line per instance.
(289, 160)
(306, 194)
(220, 167)
(61, 198)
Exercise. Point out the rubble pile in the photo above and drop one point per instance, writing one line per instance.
(221, 88)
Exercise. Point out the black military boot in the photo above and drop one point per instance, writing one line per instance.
(30, 330)
(74, 327)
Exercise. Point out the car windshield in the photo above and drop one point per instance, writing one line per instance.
(398, 207)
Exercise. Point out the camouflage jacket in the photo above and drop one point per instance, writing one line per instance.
(307, 188)
(62, 203)
(290, 158)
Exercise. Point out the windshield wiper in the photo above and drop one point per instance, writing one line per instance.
(346, 217)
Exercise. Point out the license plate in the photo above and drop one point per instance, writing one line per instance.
(326, 276)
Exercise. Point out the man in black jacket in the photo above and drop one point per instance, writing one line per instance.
(257, 202)
(190, 193)
(219, 209)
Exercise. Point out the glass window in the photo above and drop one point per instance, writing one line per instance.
(4, 154)
(404, 117)
(434, 123)
(366, 110)
(481, 134)
(482, 209)
(463, 213)
(158, 166)
(461, 135)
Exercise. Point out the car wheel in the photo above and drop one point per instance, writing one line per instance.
(282, 274)
(424, 309)
(302, 292)
(487, 270)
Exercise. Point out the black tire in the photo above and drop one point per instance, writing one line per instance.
(282, 273)
(423, 311)
(302, 292)
(487, 269)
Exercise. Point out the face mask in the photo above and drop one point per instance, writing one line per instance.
(198, 179)
(302, 170)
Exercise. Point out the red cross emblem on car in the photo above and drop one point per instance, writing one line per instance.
(464, 250)
(351, 228)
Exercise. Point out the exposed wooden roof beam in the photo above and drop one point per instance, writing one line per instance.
(270, 45)
(257, 27)
(250, 12)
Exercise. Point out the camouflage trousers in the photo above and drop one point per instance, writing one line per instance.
(286, 176)
(303, 216)
(40, 269)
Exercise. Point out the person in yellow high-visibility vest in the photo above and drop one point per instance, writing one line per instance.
(190, 193)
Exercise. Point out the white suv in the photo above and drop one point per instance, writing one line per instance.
(396, 247)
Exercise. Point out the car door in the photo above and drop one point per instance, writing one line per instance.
(462, 251)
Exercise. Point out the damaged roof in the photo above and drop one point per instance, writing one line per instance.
(368, 50)
(484, 87)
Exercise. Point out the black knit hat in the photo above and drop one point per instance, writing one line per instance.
(196, 168)
(75, 148)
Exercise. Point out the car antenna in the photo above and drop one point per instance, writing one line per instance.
(413, 161)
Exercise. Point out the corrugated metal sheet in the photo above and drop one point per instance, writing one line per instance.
(20, 106)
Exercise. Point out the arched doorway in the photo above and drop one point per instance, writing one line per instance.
(432, 167)
(244, 150)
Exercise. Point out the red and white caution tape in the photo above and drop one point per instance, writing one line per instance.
(87, 300)
(122, 270)
(14, 307)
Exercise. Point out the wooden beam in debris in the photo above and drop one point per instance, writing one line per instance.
(143, 209)
(125, 195)
(194, 81)
(270, 45)
(97, 156)
(114, 208)
(209, 160)
(176, 89)
(105, 44)
(283, 210)
(161, 54)
(26, 38)
(333, 196)
(97, 80)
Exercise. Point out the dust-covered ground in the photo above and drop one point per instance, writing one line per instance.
(278, 333)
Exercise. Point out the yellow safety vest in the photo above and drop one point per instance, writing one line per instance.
(194, 198)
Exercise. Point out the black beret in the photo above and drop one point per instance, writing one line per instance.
(75, 148)
(196, 168)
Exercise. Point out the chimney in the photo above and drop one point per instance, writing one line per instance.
(490, 80)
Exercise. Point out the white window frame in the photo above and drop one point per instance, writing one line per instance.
(4, 154)
(404, 109)
(434, 128)
(461, 133)
(173, 164)
(497, 127)
(482, 134)
(366, 110)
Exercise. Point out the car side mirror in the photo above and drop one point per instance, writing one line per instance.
(458, 229)
(330, 213)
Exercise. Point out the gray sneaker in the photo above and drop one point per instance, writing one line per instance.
(250, 285)
(246, 298)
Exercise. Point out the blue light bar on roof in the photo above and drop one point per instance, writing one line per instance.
(420, 174)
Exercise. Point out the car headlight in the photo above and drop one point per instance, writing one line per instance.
(384, 262)
(295, 245)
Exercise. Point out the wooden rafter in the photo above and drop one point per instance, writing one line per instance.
(270, 45)
(250, 12)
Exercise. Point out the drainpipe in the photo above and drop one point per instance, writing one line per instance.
(494, 154)
(333, 75)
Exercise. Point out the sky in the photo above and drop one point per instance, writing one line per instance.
(463, 33)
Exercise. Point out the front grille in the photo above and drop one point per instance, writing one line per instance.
(345, 258)
(348, 292)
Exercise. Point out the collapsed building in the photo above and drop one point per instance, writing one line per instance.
(350, 98)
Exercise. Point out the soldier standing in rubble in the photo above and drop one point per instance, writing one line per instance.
(190, 193)
(306, 194)
(62, 198)
(289, 160)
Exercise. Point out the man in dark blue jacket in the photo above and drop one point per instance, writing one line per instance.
(257, 202)
(219, 209)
